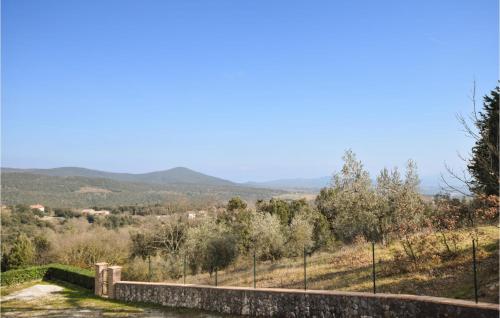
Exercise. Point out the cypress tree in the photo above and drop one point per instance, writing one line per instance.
(483, 166)
(22, 253)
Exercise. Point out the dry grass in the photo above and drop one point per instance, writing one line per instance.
(349, 268)
(93, 190)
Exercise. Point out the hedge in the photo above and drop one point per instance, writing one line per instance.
(78, 276)
(22, 275)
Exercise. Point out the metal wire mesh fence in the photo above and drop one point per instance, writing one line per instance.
(365, 267)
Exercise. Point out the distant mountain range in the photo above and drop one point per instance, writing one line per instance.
(170, 176)
(80, 187)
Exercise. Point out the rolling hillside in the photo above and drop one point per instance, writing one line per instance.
(78, 187)
(171, 176)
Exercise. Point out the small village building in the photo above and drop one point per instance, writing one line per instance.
(94, 212)
(88, 211)
(38, 207)
(102, 212)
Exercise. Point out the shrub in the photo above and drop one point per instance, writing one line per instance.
(221, 252)
(137, 269)
(300, 236)
(197, 241)
(22, 253)
(267, 236)
(94, 245)
(236, 203)
(78, 276)
(17, 276)
(42, 248)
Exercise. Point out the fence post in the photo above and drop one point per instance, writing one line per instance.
(100, 271)
(305, 269)
(373, 268)
(149, 268)
(184, 270)
(254, 275)
(474, 267)
(114, 276)
(216, 277)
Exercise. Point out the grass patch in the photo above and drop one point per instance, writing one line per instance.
(74, 300)
(72, 297)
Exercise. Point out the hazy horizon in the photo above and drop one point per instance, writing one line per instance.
(426, 180)
(245, 91)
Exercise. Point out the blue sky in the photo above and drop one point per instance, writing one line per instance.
(245, 90)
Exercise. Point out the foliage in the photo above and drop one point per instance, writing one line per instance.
(267, 236)
(236, 203)
(239, 222)
(353, 206)
(197, 240)
(91, 245)
(388, 188)
(115, 221)
(486, 207)
(22, 253)
(142, 245)
(350, 202)
(300, 236)
(448, 216)
(17, 276)
(168, 236)
(285, 210)
(409, 211)
(221, 251)
(321, 235)
(483, 166)
(66, 213)
(71, 274)
(42, 249)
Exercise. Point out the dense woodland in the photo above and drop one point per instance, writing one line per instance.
(352, 209)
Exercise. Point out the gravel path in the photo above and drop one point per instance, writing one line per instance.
(53, 301)
(33, 292)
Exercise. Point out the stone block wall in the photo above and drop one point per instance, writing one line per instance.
(298, 303)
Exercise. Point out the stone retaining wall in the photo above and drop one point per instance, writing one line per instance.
(298, 303)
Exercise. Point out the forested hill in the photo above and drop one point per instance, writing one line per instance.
(63, 188)
(171, 176)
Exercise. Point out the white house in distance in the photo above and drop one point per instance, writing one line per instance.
(191, 215)
(39, 207)
(94, 212)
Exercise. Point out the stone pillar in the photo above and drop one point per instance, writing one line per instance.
(114, 276)
(100, 271)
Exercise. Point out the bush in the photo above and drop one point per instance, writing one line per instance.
(197, 241)
(221, 252)
(17, 276)
(70, 274)
(78, 276)
(267, 236)
(300, 236)
(83, 247)
(22, 253)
